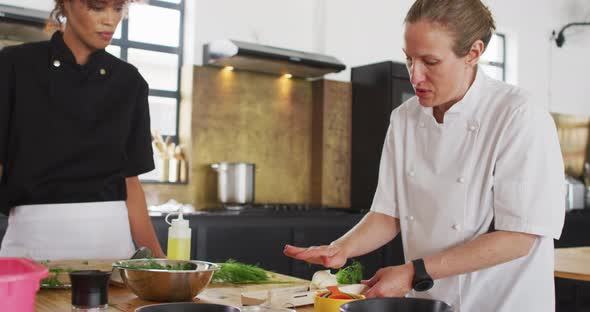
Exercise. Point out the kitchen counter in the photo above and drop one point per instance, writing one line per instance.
(572, 279)
(573, 263)
(122, 299)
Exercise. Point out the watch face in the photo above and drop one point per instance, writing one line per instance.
(424, 285)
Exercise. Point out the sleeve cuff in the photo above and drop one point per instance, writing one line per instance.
(390, 211)
(135, 171)
(512, 224)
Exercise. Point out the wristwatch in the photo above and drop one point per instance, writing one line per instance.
(422, 281)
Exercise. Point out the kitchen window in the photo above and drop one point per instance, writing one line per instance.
(493, 60)
(151, 39)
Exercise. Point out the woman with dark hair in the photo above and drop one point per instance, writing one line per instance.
(74, 136)
(471, 175)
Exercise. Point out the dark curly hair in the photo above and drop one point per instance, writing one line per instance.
(57, 16)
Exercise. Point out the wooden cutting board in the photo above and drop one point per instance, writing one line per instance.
(294, 296)
(232, 294)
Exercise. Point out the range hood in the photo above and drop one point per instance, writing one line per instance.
(272, 60)
(19, 25)
(23, 15)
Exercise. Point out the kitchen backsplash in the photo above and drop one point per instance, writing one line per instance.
(297, 132)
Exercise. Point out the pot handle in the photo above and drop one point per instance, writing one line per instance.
(215, 166)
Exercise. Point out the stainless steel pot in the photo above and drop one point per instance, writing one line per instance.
(235, 182)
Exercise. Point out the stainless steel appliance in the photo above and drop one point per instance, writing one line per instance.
(235, 182)
(19, 25)
(377, 89)
(575, 194)
(267, 59)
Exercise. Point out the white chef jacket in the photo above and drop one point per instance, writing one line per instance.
(495, 159)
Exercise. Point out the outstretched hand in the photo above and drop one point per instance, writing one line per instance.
(329, 256)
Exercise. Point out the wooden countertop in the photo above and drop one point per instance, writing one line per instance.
(122, 299)
(573, 263)
(570, 263)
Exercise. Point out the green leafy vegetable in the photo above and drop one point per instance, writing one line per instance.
(52, 281)
(352, 274)
(234, 272)
(151, 264)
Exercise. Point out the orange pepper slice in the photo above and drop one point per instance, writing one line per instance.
(337, 294)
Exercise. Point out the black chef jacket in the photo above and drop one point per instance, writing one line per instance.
(69, 133)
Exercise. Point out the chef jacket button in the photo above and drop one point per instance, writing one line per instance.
(56, 63)
(103, 71)
(456, 227)
(422, 125)
(410, 218)
(461, 180)
(472, 128)
(412, 173)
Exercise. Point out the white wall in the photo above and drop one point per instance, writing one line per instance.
(45, 5)
(287, 24)
(556, 76)
(363, 32)
(569, 66)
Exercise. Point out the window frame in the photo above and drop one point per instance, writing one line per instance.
(502, 64)
(124, 44)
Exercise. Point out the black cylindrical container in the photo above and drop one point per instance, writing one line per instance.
(90, 290)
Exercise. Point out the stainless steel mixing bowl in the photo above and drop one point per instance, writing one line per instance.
(166, 285)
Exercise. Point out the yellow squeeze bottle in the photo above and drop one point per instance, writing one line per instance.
(179, 239)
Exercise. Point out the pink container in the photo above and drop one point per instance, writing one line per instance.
(19, 282)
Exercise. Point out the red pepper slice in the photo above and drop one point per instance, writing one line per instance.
(340, 296)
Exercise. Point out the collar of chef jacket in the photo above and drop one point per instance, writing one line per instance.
(97, 67)
(466, 107)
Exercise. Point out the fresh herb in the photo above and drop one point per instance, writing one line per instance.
(52, 281)
(234, 272)
(352, 274)
(151, 264)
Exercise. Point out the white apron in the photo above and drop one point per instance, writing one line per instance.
(98, 230)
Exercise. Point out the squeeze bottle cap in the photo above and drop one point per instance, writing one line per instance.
(179, 222)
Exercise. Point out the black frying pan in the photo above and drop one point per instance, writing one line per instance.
(396, 305)
(187, 307)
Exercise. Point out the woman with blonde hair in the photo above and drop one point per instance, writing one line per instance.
(74, 136)
(471, 175)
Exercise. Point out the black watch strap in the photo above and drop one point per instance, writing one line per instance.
(422, 281)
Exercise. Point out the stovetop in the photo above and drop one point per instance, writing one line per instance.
(278, 209)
